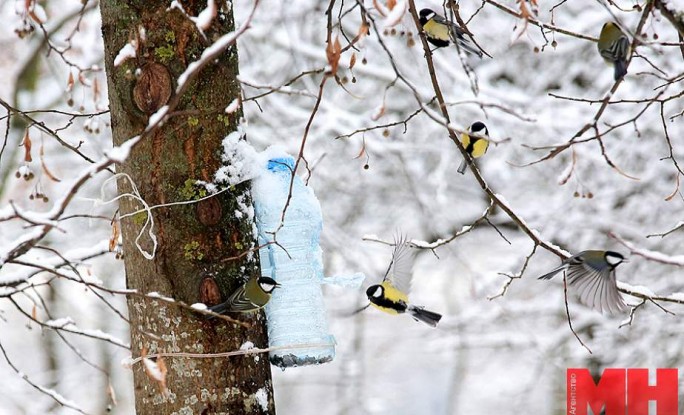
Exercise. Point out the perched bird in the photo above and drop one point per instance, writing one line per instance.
(613, 45)
(391, 296)
(592, 273)
(440, 32)
(475, 145)
(250, 296)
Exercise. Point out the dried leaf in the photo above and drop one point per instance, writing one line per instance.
(379, 112)
(567, 173)
(352, 61)
(674, 193)
(380, 8)
(114, 240)
(156, 370)
(47, 171)
(83, 80)
(364, 30)
(35, 18)
(525, 12)
(362, 152)
(96, 91)
(111, 393)
(333, 52)
(70, 82)
(26, 142)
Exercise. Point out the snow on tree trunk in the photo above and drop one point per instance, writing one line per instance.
(193, 241)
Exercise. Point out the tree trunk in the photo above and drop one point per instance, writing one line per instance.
(195, 241)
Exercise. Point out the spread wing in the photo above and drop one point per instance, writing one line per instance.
(596, 288)
(400, 269)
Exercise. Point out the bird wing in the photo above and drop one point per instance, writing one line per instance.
(596, 288)
(465, 141)
(456, 31)
(238, 301)
(438, 28)
(457, 35)
(400, 269)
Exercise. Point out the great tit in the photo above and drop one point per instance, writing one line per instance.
(250, 296)
(440, 32)
(592, 273)
(391, 296)
(475, 145)
(613, 45)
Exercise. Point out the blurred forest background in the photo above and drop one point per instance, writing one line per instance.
(379, 162)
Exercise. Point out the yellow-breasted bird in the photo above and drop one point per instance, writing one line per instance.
(250, 296)
(391, 296)
(440, 32)
(476, 144)
(613, 45)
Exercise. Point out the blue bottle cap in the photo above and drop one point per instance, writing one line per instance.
(281, 164)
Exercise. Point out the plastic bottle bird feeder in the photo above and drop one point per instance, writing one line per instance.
(296, 313)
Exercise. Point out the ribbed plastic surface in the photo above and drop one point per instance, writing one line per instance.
(296, 313)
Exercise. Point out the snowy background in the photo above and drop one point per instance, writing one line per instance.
(486, 356)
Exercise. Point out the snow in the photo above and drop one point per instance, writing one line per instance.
(206, 16)
(247, 345)
(220, 44)
(176, 5)
(232, 107)
(677, 296)
(126, 52)
(638, 289)
(154, 294)
(262, 398)
(241, 161)
(120, 154)
(157, 118)
(67, 324)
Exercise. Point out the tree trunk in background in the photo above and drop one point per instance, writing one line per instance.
(195, 240)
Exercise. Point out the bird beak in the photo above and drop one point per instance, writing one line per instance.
(278, 285)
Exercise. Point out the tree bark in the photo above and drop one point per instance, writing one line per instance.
(195, 241)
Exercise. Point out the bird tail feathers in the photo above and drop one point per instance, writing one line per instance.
(620, 69)
(469, 48)
(218, 308)
(462, 167)
(551, 274)
(421, 314)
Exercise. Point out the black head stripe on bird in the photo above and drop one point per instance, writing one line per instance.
(614, 258)
(268, 284)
